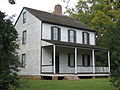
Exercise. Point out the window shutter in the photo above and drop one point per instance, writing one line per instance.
(83, 37)
(88, 38)
(74, 36)
(74, 60)
(68, 35)
(52, 59)
(88, 56)
(83, 60)
(59, 34)
(51, 33)
(68, 59)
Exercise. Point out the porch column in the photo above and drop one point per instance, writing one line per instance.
(109, 60)
(54, 57)
(75, 60)
(93, 58)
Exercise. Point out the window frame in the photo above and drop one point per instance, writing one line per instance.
(58, 35)
(24, 17)
(73, 37)
(87, 38)
(69, 60)
(23, 60)
(24, 37)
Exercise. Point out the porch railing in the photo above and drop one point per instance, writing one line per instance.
(101, 69)
(50, 69)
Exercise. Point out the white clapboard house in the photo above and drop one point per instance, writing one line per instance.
(52, 44)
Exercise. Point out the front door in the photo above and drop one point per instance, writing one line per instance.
(57, 62)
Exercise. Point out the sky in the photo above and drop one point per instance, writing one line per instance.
(44, 5)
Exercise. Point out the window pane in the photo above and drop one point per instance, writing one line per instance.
(71, 59)
(71, 39)
(24, 37)
(55, 37)
(71, 36)
(23, 60)
(56, 33)
(24, 17)
(86, 38)
(72, 33)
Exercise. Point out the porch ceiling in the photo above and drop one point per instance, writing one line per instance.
(75, 45)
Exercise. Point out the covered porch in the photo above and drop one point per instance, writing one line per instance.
(60, 59)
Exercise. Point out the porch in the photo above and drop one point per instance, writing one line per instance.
(61, 60)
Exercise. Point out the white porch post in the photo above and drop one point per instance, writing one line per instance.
(75, 60)
(109, 60)
(54, 57)
(93, 57)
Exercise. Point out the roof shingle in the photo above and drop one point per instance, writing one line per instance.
(58, 19)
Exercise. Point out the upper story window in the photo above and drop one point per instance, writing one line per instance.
(86, 38)
(24, 17)
(24, 35)
(23, 60)
(71, 36)
(55, 33)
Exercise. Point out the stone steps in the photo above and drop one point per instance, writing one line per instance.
(71, 78)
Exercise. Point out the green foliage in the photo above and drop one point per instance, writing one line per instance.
(101, 59)
(104, 17)
(9, 61)
(98, 14)
(111, 39)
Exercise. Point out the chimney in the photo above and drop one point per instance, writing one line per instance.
(58, 9)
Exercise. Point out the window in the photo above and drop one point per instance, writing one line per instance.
(55, 33)
(23, 60)
(24, 37)
(86, 39)
(86, 60)
(71, 36)
(24, 17)
(71, 60)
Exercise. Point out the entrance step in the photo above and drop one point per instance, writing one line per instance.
(71, 78)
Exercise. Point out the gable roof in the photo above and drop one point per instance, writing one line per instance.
(58, 19)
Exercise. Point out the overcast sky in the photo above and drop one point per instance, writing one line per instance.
(44, 5)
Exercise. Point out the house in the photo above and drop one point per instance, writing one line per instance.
(55, 45)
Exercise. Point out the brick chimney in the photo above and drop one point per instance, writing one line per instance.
(58, 9)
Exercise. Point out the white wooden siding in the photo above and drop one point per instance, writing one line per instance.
(46, 33)
(33, 43)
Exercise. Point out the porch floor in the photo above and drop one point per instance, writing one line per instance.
(75, 74)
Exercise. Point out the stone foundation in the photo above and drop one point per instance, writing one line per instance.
(71, 78)
(31, 77)
(93, 77)
(54, 78)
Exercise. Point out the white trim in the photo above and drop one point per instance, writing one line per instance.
(109, 60)
(54, 57)
(75, 60)
(75, 75)
(93, 58)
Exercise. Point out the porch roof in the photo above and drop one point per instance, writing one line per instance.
(75, 45)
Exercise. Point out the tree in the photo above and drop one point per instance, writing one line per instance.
(9, 61)
(98, 14)
(111, 39)
(104, 17)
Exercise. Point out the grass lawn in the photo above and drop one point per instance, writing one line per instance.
(84, 84)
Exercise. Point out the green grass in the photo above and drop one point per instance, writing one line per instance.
(84, 84)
